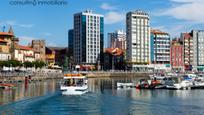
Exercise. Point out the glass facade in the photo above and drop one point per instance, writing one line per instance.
(88, 33)
(152, 47)
(83, 22)
(71, 38)
(101, 39)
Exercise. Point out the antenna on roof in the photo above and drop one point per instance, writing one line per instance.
(11, 30)
(4, 27)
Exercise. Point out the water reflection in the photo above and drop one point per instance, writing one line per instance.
(24, 90)
(103, 98)
(99, 84)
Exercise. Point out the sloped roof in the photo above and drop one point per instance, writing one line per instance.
(155, 31)
(187, 35)
(25, 47)
(6, 34)
(114, 51)
(1, 40)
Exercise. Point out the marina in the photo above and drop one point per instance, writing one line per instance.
(102, 57)
(102, 98)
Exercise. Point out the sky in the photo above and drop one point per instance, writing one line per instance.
(52, 22)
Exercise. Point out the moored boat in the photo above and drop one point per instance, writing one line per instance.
(7, 85)
(124, 85)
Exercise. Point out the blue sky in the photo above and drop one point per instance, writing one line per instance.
(51, 22)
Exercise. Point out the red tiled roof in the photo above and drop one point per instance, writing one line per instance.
(114, 51)
(25, 48)
(28, 55)
(187, 35)
(154, 31)
(1, 40)
(6, 34)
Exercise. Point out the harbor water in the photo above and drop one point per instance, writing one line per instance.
(102, 99)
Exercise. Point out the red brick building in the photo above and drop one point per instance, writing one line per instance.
(177, 60)
(188, 50)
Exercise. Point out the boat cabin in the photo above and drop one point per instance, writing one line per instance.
(74, 80)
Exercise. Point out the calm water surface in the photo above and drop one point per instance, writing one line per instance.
(103, 99)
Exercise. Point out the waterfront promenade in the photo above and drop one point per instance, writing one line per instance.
(38, 75)
(44, 74)
(97, 74)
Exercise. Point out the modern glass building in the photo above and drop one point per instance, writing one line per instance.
(117, 39)
(71, 40)
(88, 38)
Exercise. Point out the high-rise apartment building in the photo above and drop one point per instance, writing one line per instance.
(138, 39)
(71, 42)
(88, 38)
(160, 47)
(188, 50)
(198, 50)
(177, 61)
(117, 39)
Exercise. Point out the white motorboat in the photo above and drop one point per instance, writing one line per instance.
(74, 84)
(183, 84)
(124, 85)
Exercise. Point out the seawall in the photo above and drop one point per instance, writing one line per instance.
(116, 74)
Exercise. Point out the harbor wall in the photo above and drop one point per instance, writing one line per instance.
(13, 77)
(116, 74)
(43, 75)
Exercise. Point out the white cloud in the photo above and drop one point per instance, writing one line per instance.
(10, 22)
(25, 25)
(113, 17)
(172, 30)
(14, 23)
(188, 10)
(51, 44)
(186, 1)
(26, 39)
(107, 6)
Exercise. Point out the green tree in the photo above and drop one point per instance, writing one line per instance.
(28, 64)
(39, 64)
(13, 63)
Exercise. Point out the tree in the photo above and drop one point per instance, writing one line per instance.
(38, 64)
(13, 63)
(28, 64)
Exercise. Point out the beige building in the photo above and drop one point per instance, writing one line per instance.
(138, 40)
(39, 46)
(50, 57)
(7, 43)
(24, 53)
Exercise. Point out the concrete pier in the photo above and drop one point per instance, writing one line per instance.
(14, 77)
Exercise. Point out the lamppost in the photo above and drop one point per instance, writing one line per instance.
(112, 62)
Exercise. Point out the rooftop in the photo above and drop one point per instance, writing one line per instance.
(156, 31)
(25, 47)
(6, 34)
(187, 35)
(114, 51)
